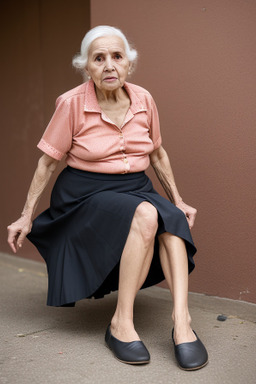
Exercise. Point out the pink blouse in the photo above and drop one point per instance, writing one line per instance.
(80, 130)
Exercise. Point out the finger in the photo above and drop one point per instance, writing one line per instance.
(190, 224)
(191, 220)
(21, 239)
(13, 236)
(12, 243)
(13, 248)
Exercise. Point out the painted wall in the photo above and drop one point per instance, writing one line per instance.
(38, 40)
(198, 60)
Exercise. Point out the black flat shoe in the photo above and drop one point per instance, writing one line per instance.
(133, 352)
(190, 356)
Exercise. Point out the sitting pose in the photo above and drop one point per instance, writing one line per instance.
(107, 228)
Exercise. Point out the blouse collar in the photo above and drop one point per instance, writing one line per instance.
(91, 103)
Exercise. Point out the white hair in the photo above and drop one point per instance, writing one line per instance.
(80, 60)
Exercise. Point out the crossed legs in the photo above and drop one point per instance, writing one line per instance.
(174, 262)
(134, 267)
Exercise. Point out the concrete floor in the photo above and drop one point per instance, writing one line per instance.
(45, 345)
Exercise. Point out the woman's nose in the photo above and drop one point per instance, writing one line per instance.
(109, 64)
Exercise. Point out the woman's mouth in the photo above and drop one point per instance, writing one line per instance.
(110, 78)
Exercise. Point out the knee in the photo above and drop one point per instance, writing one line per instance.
(146, 219)
(169, 242)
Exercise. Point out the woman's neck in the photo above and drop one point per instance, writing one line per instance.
(114, 96)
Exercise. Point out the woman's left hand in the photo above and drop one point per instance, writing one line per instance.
(189, 212)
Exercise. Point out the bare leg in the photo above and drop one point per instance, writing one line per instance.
(165, 263)
(173, 256)
(134, 266)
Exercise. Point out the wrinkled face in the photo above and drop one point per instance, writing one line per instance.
(107, 63)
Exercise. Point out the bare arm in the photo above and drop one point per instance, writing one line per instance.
(18, 230)
(162, 167)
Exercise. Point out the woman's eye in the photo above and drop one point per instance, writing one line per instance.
(117, 56)
(99, 59)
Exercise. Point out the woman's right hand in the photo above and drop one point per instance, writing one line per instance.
(18, 231)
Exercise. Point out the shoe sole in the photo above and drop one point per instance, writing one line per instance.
(194, 369)
(129, 362)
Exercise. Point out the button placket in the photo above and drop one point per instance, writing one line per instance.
(122, 150)
(122, 142)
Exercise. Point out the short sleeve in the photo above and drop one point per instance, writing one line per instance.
(155, 133)
(57, 138)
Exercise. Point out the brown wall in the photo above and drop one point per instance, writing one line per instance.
(198, 60)
(38, 40)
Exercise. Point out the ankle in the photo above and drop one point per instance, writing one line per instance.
(123, 330)
(181, 318)
(119, 322)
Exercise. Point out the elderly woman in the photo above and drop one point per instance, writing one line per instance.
(107, 228)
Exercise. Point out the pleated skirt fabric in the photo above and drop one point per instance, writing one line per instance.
(82, 235)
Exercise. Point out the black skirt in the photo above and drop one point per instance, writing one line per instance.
(83, 233)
